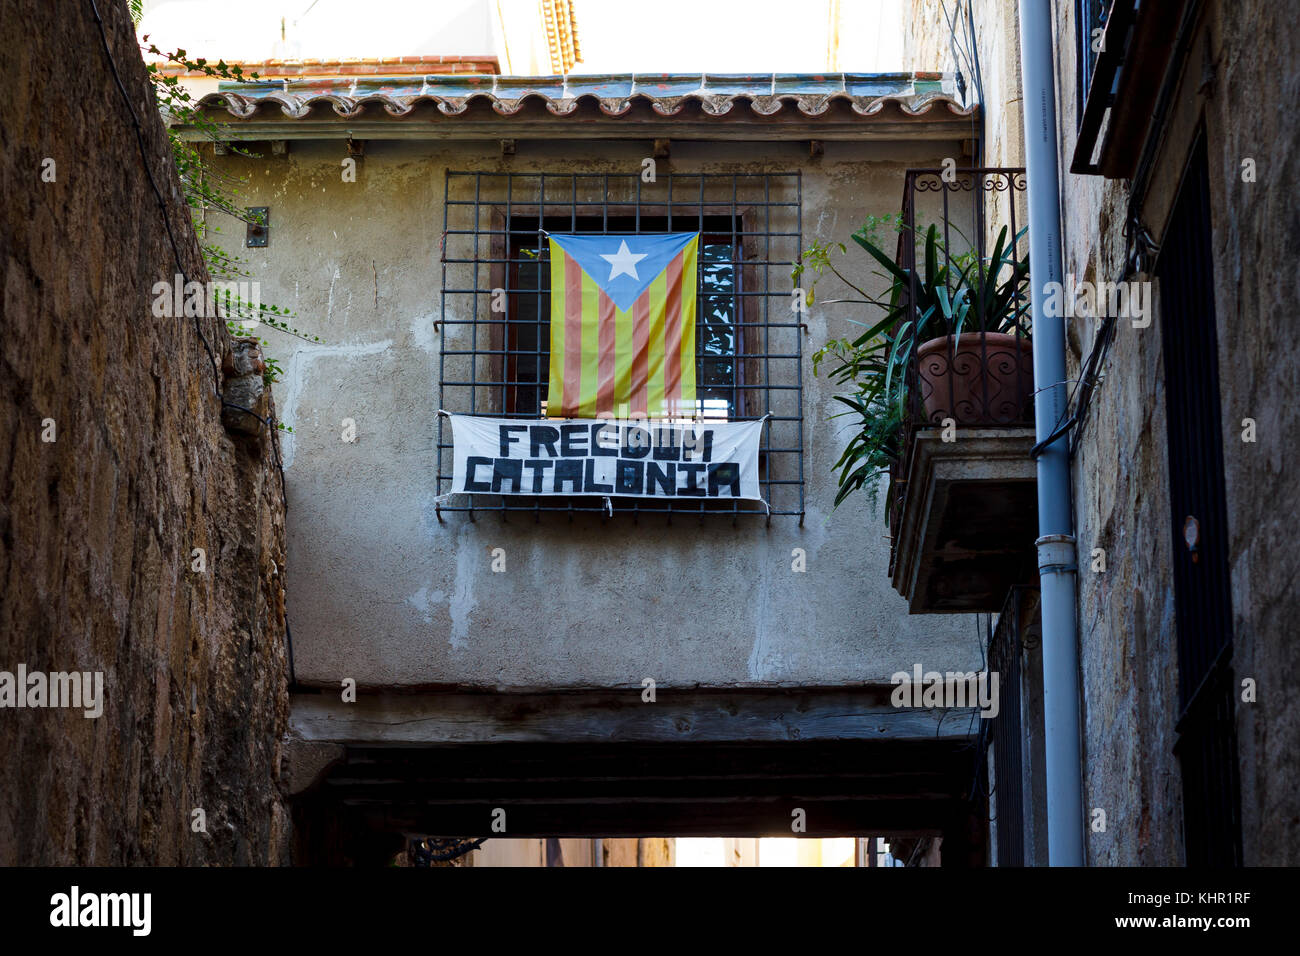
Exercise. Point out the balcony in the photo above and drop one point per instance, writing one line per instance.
(963, 497)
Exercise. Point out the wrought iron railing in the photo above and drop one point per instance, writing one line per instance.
(963, 337)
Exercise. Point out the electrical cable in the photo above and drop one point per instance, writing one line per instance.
(142, 146)
(148, 170)
(427, 851)
(171, 236)
(1082, 386)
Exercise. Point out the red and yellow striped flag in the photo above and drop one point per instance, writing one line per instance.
(623, 325)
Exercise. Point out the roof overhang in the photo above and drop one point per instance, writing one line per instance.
(858, 107)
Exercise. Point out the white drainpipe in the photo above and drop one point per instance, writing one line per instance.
(1056, 545)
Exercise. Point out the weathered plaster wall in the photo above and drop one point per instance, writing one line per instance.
(388, 595)
(97, 526)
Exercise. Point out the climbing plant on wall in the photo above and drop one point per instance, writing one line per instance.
(211, 191)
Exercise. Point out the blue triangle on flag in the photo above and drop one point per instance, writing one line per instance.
(623, 266)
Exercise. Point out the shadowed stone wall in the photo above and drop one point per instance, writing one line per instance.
(99, 524)
(1239, 83)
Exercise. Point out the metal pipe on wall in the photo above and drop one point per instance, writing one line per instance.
(1056, 545)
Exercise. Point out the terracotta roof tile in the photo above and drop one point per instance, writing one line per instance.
(864, 94)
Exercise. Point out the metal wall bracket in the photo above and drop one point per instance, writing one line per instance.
(259, 228)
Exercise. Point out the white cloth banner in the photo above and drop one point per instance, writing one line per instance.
(614, 458)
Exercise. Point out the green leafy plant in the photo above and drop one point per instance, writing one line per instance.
(207, 189)
(948, 294)
(272, 373)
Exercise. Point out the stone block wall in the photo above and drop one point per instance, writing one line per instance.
(114, 467)
(1128, 631)
(1237, 86)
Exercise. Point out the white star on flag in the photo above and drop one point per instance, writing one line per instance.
(623, 262)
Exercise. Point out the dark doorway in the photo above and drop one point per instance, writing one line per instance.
(1206, 743)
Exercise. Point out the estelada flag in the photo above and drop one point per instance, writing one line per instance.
(623, 325)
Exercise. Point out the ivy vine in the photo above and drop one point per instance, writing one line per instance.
(207, 188)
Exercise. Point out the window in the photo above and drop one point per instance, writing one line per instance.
(495, 315)
(721, 343)
(1090, 17)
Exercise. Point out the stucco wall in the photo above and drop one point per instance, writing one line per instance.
(928, 44)
(387, 594)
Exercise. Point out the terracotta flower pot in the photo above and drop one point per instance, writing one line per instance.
(988, 380)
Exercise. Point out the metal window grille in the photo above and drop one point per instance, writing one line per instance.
(1206, 732)
(495, 303)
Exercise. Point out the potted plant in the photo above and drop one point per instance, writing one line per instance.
(929, 316)
(974, 360)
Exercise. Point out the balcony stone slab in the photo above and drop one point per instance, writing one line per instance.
(968, 520)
